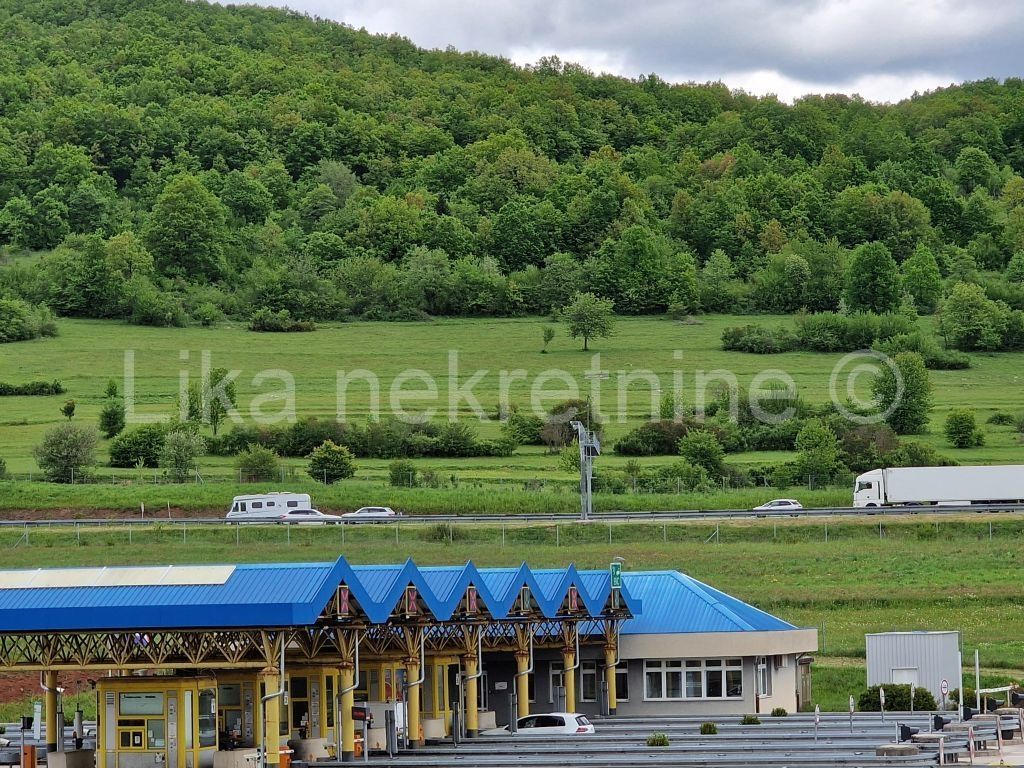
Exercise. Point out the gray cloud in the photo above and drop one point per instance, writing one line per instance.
(884, 49)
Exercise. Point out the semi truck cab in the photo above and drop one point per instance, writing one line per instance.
(869, 489)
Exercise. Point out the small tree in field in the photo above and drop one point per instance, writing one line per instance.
(68, 409)
(178, 457)
(220, 396)
(549, 334)
(330, 463)
(112, 417)
(702, 449)
(257, 463)
(66, 453)
(902, 389)
(589, 317)
(961, 429)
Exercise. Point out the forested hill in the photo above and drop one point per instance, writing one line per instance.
(179, 162)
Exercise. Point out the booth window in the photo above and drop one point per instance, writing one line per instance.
(764, 677)
(329, 696)
(588, 680)
(207, 717)
(299, 694)
(556, 680)
(622, 682)
(187, 715)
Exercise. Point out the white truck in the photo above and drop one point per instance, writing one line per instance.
(942, 486)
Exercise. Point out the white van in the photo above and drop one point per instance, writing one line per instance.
(267, 506)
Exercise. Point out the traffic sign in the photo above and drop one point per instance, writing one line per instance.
(944, 687)
(615, 569)
(853, 706)
(881, 696)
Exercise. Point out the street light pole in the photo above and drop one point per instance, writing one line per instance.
(590, 447)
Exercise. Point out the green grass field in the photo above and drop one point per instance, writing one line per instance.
(89, 353)
(919, 573)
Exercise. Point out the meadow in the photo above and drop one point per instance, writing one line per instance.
(88, 353)
(866, 576)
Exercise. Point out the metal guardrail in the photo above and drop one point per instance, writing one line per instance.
(555, 517)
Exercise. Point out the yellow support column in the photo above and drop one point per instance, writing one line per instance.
(522, 684)
(609, 672)
(347, 700)
(412, 673)
(472, 700)
(569, 678)
(54, 730)
(271, 719)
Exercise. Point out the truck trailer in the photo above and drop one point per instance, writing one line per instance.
(950, 486)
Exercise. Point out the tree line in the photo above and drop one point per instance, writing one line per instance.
(180, 162)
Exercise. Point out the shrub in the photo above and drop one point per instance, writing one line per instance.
(257, 463)
(142, 444)
(961, 430)
(522, 427)
(935, 357)
(330, 463)
(112, 418)
(831, 332)
(178, 456)
(269, 321)
(779, 712)
(3, 469)
(207, 314)
(708, 729)
(1002, 419)
(653, 438)
(657, 740)
(750, 720)
(702, 449)
(758, 339)
(402, 473)
(20, 321)
(66, 452)
(897, 699)
(32, 388)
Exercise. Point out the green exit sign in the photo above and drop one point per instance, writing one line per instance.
(615, 569)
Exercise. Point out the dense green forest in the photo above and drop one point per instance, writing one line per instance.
(175, 162)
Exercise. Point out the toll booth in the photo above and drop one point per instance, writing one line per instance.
(159, 720)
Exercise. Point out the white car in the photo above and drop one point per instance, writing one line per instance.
(550, 724)
(307, 517)
(780, 505)
(369, 514)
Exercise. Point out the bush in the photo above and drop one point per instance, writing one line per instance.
(708, 729)
(67, 451)
(657, 740)
(831, 332)
(1002, 419)
(330, 463)
(402, 473)
(257, 463)
(112, 418)
(779, 712)
(935, 357)
(758, 339)
(3, 469)
(20, 321)
(269, 321)
(702, 449)
(897, 699)
(33, 388)
(653, 438)
(523, 428)
(178, 456)
(750, 720)
(961, 430)
(141, 444)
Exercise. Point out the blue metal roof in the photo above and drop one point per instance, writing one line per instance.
(295, 594)
(674, 603)
(283, 595)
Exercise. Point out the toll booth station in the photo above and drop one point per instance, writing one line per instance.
(215, 662)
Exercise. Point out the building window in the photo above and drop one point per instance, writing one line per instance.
(668, 679)
(588, 681)
(622, 682)
(555, 680)
(764, 677)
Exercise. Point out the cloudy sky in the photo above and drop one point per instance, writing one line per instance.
(881, 49)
